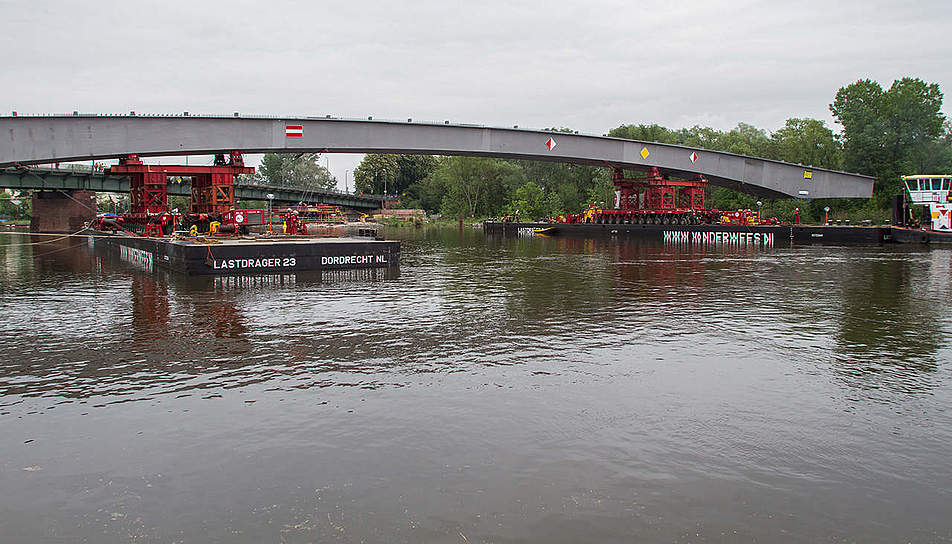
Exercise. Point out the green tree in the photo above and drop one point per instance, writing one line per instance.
(702, 137)
(746, 140)
(645, 133)
(857, 108)
(376, 173)
(937, 156)
(15, 204)
(289, 170)
(472, 186)
(600, 193)
(570, 183)
(888, 133)
(530, 201)
(808, 142)
(413, 169)
(394, 174)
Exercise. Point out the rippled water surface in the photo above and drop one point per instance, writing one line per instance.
(501, 390)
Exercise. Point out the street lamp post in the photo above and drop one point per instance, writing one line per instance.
(270, 199)
(346, 173)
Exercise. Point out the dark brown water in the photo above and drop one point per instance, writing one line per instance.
(495, 390)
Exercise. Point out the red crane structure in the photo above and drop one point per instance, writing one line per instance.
(213, 194)
(656, 199)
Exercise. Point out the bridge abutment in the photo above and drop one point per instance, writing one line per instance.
(62, 211)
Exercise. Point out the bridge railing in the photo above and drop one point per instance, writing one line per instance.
(71, 168)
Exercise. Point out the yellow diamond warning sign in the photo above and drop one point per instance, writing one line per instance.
(644, 153)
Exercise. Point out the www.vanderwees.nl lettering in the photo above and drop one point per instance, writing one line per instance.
(765, 239)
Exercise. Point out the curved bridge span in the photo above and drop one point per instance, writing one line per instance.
(47, 139)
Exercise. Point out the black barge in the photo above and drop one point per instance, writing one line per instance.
(765, 235)
(219, 255)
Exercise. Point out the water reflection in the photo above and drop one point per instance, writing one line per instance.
(892, 328)
(468, 300)
(884, 308)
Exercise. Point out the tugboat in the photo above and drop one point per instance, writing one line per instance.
(933, 191)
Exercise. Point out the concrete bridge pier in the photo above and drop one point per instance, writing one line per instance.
(62, 211)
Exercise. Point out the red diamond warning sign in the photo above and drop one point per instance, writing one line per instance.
(550, 143)
(693, 157)
(293, 131)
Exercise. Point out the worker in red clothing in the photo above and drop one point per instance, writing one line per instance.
(796, 216)
(290, 222)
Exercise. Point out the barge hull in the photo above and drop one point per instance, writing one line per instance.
(777, 234)
(252, 256)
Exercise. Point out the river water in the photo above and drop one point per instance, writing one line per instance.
(507, 390)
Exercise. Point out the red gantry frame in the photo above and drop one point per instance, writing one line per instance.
(213, 191)
(656, 199)
(653, 198)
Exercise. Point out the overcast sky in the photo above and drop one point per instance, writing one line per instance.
(589, 65)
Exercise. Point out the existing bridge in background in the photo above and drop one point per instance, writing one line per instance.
(78, 178)
(50, 139)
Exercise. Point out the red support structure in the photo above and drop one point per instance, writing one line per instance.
(655, 192)
(651, 198)
(213, 189)
(147, 185)
(655, 199)
(214, 192)
(691, 198)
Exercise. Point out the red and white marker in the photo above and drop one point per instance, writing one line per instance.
(550, 143)
(294, 131)
(693, 157)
